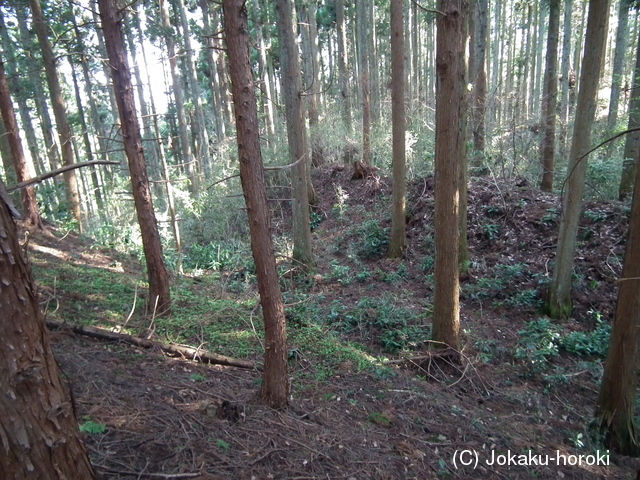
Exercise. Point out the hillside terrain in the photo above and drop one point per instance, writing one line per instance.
(368, 401)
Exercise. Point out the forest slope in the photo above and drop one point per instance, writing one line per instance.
(359, 408)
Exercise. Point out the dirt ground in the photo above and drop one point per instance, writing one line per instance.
(172, 418)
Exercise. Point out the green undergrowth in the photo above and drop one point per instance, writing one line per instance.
(204, 315)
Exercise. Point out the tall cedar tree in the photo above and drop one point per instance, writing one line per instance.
(560, 291)
(58, 107)
(550, 100)
(275, 383)
(38, 427)
(450, 147)
(17, 153)
(296, 134)
(614, 416)
(398, 230)
(159, 296)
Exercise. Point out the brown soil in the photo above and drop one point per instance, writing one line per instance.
(173, 418)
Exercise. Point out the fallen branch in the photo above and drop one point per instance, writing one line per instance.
(53, 173)
(196, 354)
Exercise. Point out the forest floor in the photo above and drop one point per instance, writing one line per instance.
(367, 401)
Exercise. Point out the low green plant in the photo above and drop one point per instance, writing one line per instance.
(491, 231)
(341, 273)
(592, 344)
(551, 217)
(91, 427)
(373, 240)
(340, 206)
(538, 344)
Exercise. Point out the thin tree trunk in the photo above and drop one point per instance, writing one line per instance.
(15, 144)
(274, 389)
(213, 71)
(450, 144)
(296, 134)
(566, 75)
(363, 63)
(185, 142)
(159, 296)
(202, 136)
(550, 97)
(560, 291)
(343, 74)
(59, 108)
(479, 77)
(398, 220)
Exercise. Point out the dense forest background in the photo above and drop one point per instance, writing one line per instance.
(422, 200)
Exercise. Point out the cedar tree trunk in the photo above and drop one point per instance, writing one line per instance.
(450, 147)
(38, 427)
(159, 297)
(275, 382)
(17, 153)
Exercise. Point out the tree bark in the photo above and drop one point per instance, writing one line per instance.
(632, 140)
(398, 221)
(296, 134)
(178, 94)
(343, 74)
(202, 136)
(159, 297)
(38, 427)
(274, 388)
(622, 36)
(614, 415)
(560, 291)
(550, 97)
(59, 108)
(450, 144)
(29, 200)
(479, 77)
(365, 84)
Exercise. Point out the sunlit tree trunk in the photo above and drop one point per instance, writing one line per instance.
(365, 86)
(274, 387)
(59, 108)
(343, 74)
(398, 220)
(450, 145)
(15, 144)
(550, 99)
(267, 95)
(296, 134)
(40, 435)
(159, 296)
(560, 290)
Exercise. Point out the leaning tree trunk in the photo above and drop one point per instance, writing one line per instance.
(614, 416)
(450, 145)
(159, 297)
(550, 97)
(398, 221)
(38, 426)
(59, 108)
(17, 153)
(275, 382)
(560, 291)
(296, 134)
